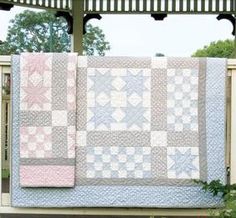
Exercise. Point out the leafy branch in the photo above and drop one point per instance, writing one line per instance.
(227, 192)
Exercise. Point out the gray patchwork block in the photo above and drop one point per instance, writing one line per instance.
(36, 118)
(59, 141)
(183, 139)
(182, 63)
(81, 95)
(81, 165)
(118, 138)
(71, 118)
(159, 162)
(59, 82)
(202, 119)
(118, 62)
(158, 99)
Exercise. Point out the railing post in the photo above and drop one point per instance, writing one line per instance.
(77, 37)
(0, 136)
(233, 128)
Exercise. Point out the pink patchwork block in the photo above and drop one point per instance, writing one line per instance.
(46, 176)
(37, 63)
(47, 129)
(35, 97)
(35, 88)
(35, 142)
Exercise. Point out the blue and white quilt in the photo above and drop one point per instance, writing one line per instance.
(146, 127)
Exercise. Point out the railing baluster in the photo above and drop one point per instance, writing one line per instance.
(225, 5)
(122, 5)
(181, 5)
(210, 6)
(188, 5)
(137, 5)
(86, 5)
(1, 136)
(159, 5)
(217, 5)
(152, 6)
(108, 5)
(145, 5)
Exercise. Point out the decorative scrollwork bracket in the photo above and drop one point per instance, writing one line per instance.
(230, 18)
(69, 19)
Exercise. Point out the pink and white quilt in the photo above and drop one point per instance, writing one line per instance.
(47, 119)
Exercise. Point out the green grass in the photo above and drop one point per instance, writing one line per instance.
(5, 173)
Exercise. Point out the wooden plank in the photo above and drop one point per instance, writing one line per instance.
(61, 4)
(210, 6)
(188, 5)
(228, 118)
(217, 5)
(144, 5)
(115, 5)
(86, 5)
(195, 5)
(166, 5)
(232, 2)
(137, 5)
(1, 137)
(5, 60)
(181, 5)
(159, 5)
(152, 6)
(122, 5)
(173, 5)
(203, 6)
(108, 5)
(130, 5)
(105, 211)
(225, 5)
(94, 5)
(233, 129)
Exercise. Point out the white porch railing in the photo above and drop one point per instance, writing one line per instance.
(5, 206)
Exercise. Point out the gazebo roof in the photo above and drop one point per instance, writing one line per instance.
(135, 6)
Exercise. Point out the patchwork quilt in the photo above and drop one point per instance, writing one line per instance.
(47, 119)
(145, 128)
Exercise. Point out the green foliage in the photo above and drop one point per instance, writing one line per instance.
(5, 173)
(228, 193)
(159, 55)
(221, 49)
(43, 32)
(94, 41)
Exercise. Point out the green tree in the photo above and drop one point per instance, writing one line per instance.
(221, 49)
(42, 32)
(159, 55)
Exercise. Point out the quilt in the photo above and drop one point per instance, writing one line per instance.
(145, 128)
(47, 119)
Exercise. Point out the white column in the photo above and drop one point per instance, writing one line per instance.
(77, 37)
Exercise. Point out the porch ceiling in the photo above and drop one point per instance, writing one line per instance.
(135, 6)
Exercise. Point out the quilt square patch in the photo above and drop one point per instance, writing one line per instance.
(118, 99)
(183, 162)
(118, 162)
(36, 142)
(182, 99)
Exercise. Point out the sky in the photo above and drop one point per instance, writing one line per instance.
(141, 35)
